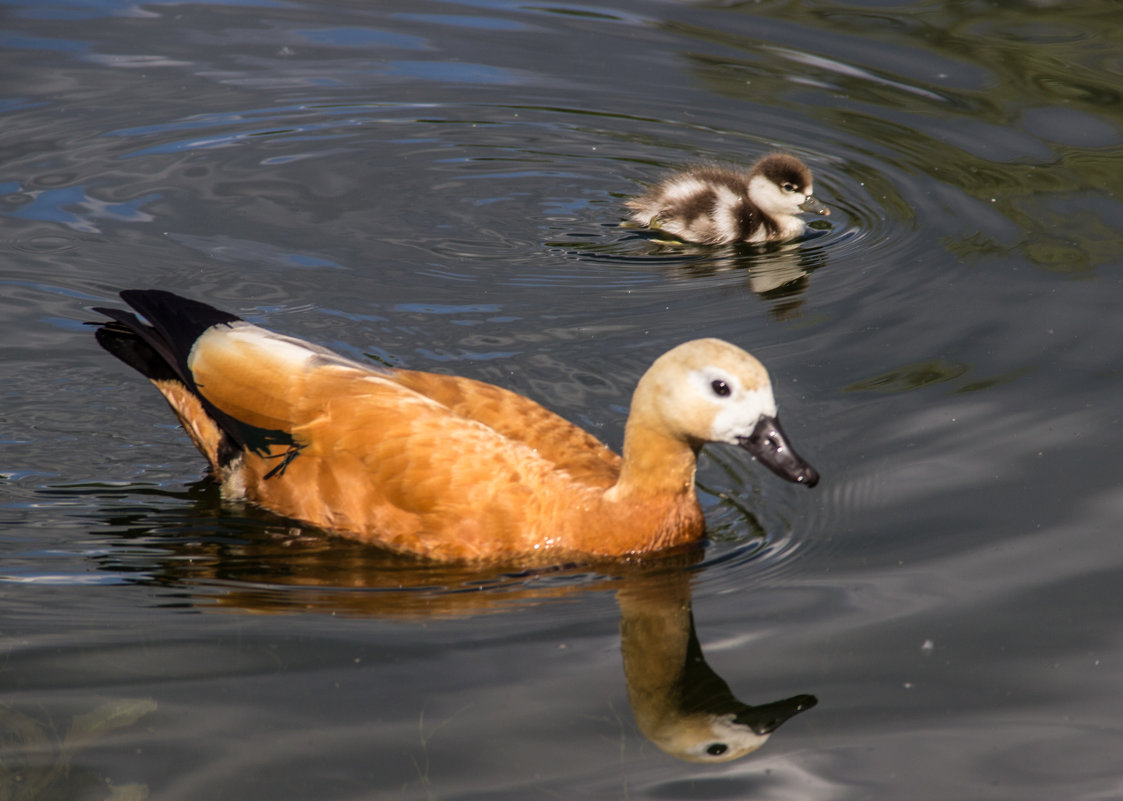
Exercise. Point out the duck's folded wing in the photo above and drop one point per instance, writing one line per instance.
(273, 382)
(372, 450)
(267, 380)
(568, 447)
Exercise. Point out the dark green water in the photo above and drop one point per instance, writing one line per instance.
(439, 185)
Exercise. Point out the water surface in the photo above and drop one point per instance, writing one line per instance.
(439, 185)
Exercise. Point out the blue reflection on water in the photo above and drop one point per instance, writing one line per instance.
(455, 73)
(438, 308)
(304, 260)
(73, 207)
(21, 41)
(92, 9)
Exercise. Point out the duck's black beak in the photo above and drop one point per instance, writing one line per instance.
(766, 718)
(769, 444)
(813, 205)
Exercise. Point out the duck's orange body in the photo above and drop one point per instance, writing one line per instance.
(438, 466)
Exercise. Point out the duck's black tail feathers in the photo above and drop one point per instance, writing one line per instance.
(158, 349)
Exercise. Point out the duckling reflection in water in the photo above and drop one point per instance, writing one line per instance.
(716, 205)
(679, 703)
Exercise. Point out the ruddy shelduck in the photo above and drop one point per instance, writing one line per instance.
(713, 205)
(440, 466)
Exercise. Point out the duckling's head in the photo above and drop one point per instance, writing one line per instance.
(708, 390)
(780, 185)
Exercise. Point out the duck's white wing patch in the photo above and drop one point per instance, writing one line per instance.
(256, 345)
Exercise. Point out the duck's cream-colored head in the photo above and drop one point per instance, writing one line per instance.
(722, 736)
(780, 185)
(708, 390)
(707, 738)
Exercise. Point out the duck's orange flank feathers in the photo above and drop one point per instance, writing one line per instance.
(391, 466)
(439, 466)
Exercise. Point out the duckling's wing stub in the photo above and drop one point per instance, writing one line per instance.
(770, 445)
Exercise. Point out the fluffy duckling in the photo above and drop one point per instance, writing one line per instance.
(718, 206)
(439, 466)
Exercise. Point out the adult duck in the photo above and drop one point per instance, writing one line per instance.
(440, 466)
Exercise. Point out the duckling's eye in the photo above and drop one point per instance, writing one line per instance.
(720, 388)
(789, 187)
(716, 749)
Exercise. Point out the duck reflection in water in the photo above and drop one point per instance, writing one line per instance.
(679, 703)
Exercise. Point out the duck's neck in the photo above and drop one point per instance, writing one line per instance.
(655, 634)
(655, 463)
(655, 492)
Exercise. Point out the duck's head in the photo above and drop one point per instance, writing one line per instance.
(708, 390)
(701, 736)
(780, 184)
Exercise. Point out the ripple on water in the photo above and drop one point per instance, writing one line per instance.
(45, 243)
(243, 559)
(227, 558)
(489, 165)
(875, 206)
(496, 155)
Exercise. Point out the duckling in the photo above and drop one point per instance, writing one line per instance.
(717, 206)
(439, 466)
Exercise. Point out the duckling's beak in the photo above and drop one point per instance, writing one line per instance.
(769, 444)
(813, 205)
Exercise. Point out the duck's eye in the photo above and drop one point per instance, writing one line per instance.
(789, 187)
(716, 749)
(720, 388)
